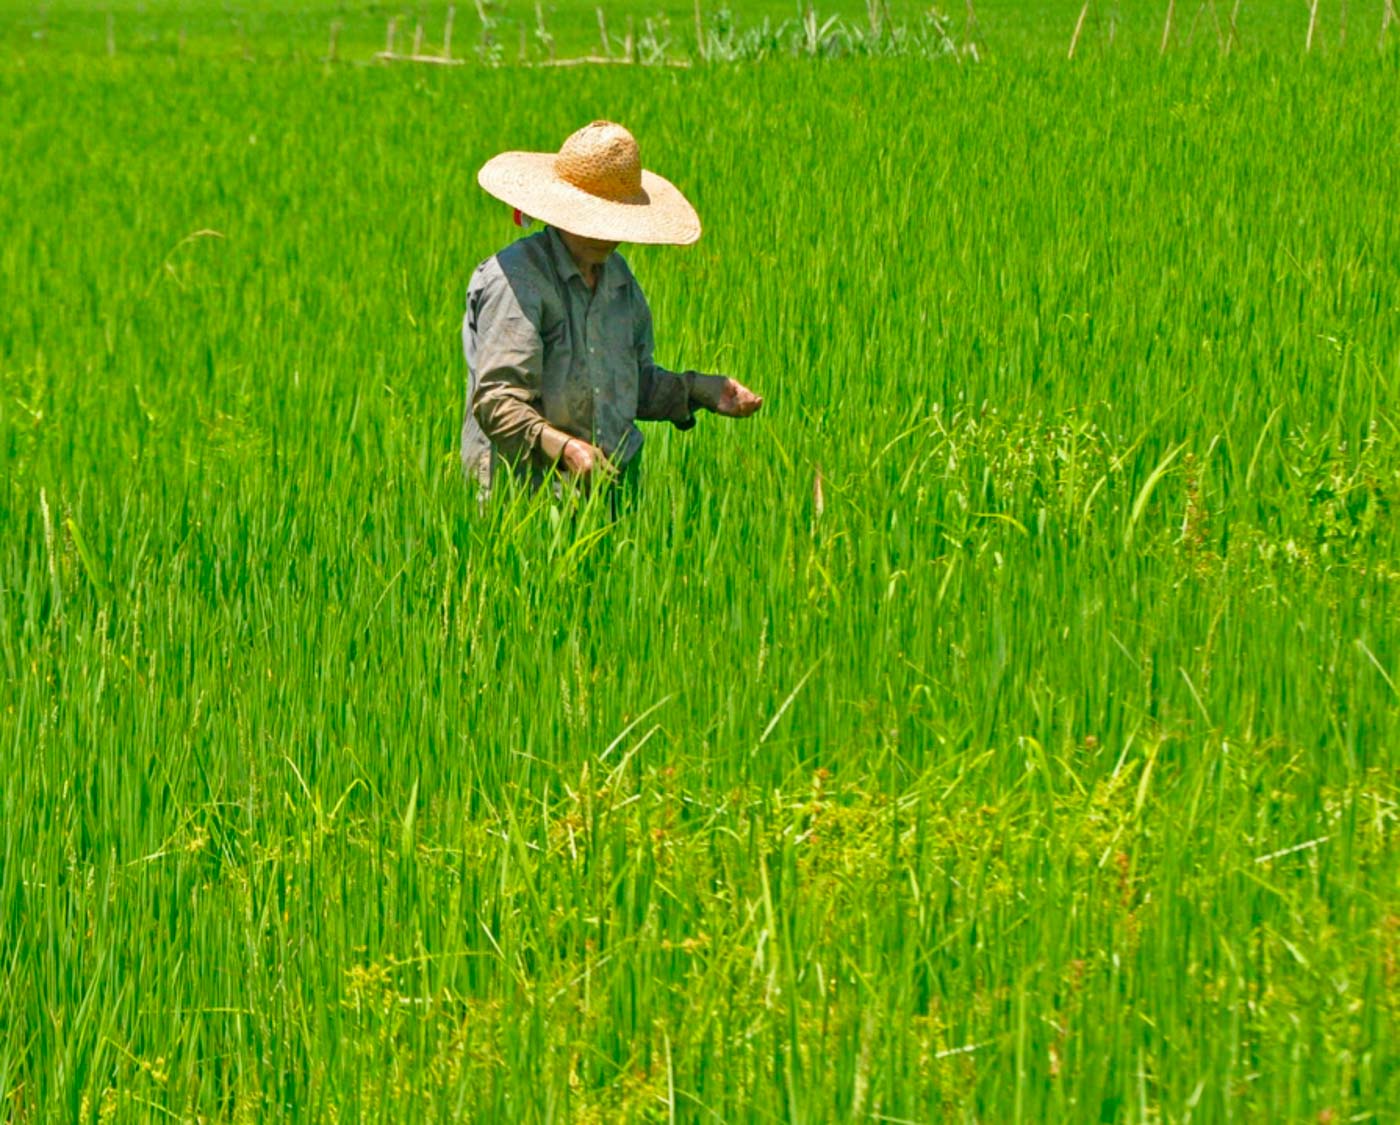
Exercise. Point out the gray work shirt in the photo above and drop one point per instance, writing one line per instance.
(548, 359)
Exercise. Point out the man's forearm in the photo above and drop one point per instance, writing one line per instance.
(706, 389)
(669, 396)
(518, 430)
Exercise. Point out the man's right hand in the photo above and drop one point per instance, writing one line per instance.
(584, 461)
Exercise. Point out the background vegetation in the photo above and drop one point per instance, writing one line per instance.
(536, 30)
(1000, 727)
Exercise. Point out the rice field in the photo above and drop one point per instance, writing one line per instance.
(1001, 726)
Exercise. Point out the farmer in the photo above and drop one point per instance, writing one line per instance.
(557, 333)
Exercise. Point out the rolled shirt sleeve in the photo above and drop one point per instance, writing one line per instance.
(507, 371)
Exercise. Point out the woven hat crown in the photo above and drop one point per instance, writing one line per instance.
(603, 160)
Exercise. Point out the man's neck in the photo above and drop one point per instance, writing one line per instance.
(591, 271)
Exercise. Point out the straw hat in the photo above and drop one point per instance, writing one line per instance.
(594, 187)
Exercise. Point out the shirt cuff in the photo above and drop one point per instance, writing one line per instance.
(705, 389)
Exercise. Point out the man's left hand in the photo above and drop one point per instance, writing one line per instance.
(736, 400)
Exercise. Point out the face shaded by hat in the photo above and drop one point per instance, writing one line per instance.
(594, 187)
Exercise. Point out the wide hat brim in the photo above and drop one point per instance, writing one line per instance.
(660, 216)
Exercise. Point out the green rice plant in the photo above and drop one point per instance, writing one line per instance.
(999, 727)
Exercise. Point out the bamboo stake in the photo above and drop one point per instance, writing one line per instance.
(1196, 19)
(1386, 18)
(390, 34)
(447, 32)
(111, 35)
(485, 20)
(603, 31)
(1078, 28)
(1113, 24)
(610, 60)
(333, 44)
(1167, 26)
(545, 37)
(429, 60)
(1215, 21)
(1206, 5)
(417, 40)
(1312, 25)
(1234, 39)
(970, 27)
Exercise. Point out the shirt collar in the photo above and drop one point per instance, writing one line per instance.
(613, 275)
